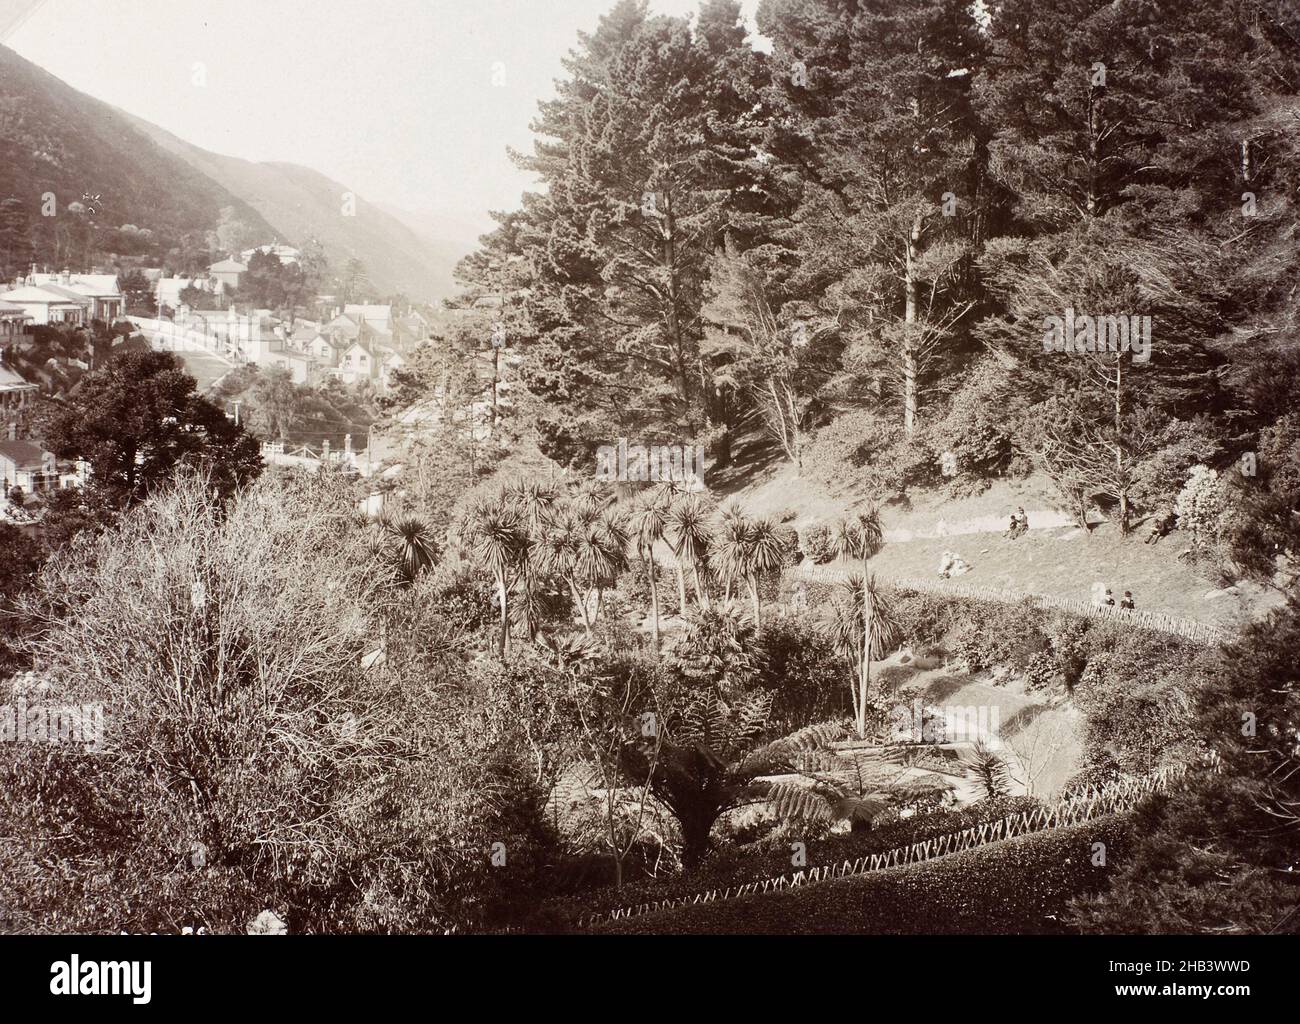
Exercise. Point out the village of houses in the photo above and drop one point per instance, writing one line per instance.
(353, 343)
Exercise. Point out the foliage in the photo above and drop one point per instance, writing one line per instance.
(816, 544)
(1219, 855)
(139, 418)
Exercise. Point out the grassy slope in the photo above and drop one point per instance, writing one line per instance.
(1061, 562)
(1045, 738)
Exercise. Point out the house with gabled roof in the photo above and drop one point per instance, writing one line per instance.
(107, 301)
(47, 305)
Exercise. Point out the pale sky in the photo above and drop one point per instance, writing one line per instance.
(393, 98)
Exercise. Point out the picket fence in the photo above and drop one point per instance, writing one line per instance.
(1093, 802)
(1189, 629)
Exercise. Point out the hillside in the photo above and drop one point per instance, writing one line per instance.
(450, 239)
(300, 203)
(56, 139)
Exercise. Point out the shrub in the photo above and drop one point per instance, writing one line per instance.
(1135, 698)
(990, 635)
(251, 760)
(817, 544)
(978, 429)
(923, 618)
(850, 442)
(1201, 506)
(798, 665)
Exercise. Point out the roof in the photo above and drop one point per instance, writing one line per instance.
(9, 311)
(44, 295)
(95, 285)
(228, 266)
(369, 312)
(71, 294)
(22, 453)
(12, 381)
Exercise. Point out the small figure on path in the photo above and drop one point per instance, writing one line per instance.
(1019, 524)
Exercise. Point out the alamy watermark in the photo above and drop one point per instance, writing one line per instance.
(672, 463)
(919, 723)
(1078, 334)
(83, 724)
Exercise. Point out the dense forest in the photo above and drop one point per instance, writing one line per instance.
(857, 240)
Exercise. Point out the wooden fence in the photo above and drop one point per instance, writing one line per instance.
(1189, 629)
(1093, 802)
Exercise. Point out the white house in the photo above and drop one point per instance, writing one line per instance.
(227, 273)
(107, 301)
(380, 317)
(26, 465)
(15, 392)
(49, 305)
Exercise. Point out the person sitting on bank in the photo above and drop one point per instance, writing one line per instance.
(1127, 602)
(1161, 524)
(1109, 599)
(952, 564)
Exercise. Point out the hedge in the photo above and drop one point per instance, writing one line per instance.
(736, 866)
(1019, 886)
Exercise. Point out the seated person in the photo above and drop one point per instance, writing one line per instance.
(1161, 524)
(1127, 602)
(1109, 599)
(945, 564)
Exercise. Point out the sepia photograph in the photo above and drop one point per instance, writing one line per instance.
(517, 480)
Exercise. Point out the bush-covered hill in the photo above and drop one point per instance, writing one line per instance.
(56, 139)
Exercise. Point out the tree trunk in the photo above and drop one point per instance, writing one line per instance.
(503, 641)
(909, 318)
(681, 589)
(758, 612)
(864, 679)
(695, 839)
(701, 594)
(580, 600)
(654, 606)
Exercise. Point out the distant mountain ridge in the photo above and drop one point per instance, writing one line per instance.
(301, 203)
(54, 138)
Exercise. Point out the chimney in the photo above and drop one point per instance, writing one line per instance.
(67, 276)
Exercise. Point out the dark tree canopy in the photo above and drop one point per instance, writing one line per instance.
(139, 418)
